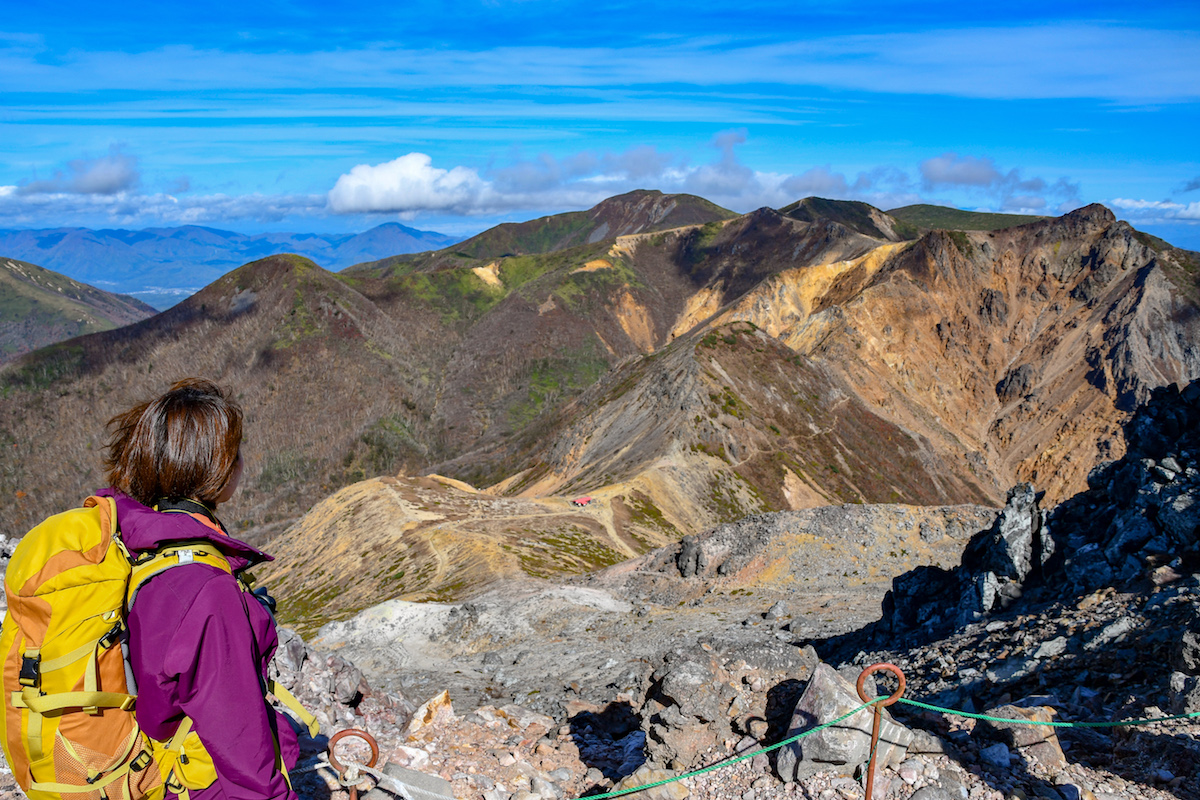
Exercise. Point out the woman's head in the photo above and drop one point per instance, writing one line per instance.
(182, 444)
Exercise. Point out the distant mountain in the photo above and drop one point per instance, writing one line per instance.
(927, 217)
(189, 257)
(640, 211)
(39, 307)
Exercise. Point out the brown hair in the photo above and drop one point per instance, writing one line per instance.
(183, 444)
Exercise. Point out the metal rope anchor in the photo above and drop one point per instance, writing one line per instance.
(878, 704)
(348, 774)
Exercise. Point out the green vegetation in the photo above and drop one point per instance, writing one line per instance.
(643, 511)
(457, 295)
(299, 323)
(552, 380)
(284, 468)
(955, 219)
(571, 549)
(962, 243)
(390, 443)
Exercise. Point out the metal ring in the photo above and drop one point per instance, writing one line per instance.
(360, 734)
(862, 679)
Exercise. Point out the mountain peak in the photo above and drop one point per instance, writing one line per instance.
(859, 217)
(1094, 213)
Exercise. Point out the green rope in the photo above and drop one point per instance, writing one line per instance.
(731, 761)
(929, 707)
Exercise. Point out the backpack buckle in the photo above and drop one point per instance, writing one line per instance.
(110, 638)
(142, 761)
(31, 670)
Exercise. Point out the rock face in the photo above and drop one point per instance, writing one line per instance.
(995, 566)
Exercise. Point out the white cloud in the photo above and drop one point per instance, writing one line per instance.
(407, 184)
(20, 209)
(978, 180)
(1158, 211)
(111, 174)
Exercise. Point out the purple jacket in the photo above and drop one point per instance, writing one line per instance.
(200, 647)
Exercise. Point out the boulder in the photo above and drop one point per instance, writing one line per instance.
(841, 747)
(1039, 741)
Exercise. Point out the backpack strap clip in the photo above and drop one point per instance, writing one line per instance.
(31, 669)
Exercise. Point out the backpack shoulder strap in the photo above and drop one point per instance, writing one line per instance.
(171, 556)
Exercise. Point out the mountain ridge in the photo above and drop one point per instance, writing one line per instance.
(39, 307)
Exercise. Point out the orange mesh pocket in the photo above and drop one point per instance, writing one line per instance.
(131, 775)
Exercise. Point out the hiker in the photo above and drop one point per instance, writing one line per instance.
(199, 645)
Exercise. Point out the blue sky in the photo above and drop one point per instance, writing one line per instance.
(456, 116)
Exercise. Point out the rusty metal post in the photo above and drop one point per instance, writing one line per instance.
(358, 734)
(878, 704)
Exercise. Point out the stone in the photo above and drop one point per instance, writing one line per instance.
(1179, 515)
(522, 718)
(1052, 648)
(691, 560)
(997, 755)
(410, 784)
(1184, 693)
(1014, 547)
(1126, 534)
(937, 793)
(692, 687)
(842, 746)
(675, 790)
(432, 711)
(1186, 655)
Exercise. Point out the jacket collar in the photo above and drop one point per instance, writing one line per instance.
(145, 529)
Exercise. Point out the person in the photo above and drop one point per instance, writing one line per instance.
(199, 645)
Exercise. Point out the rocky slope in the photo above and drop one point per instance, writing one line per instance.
(703, 650)
(40, 307)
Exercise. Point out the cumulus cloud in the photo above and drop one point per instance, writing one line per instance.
(407, 184)
(108, 175)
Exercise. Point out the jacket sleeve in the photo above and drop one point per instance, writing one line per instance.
(213, 658)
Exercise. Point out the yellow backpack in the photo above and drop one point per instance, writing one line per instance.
(70, 730)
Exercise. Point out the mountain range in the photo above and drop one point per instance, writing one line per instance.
(163, 265)
(423, 421)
